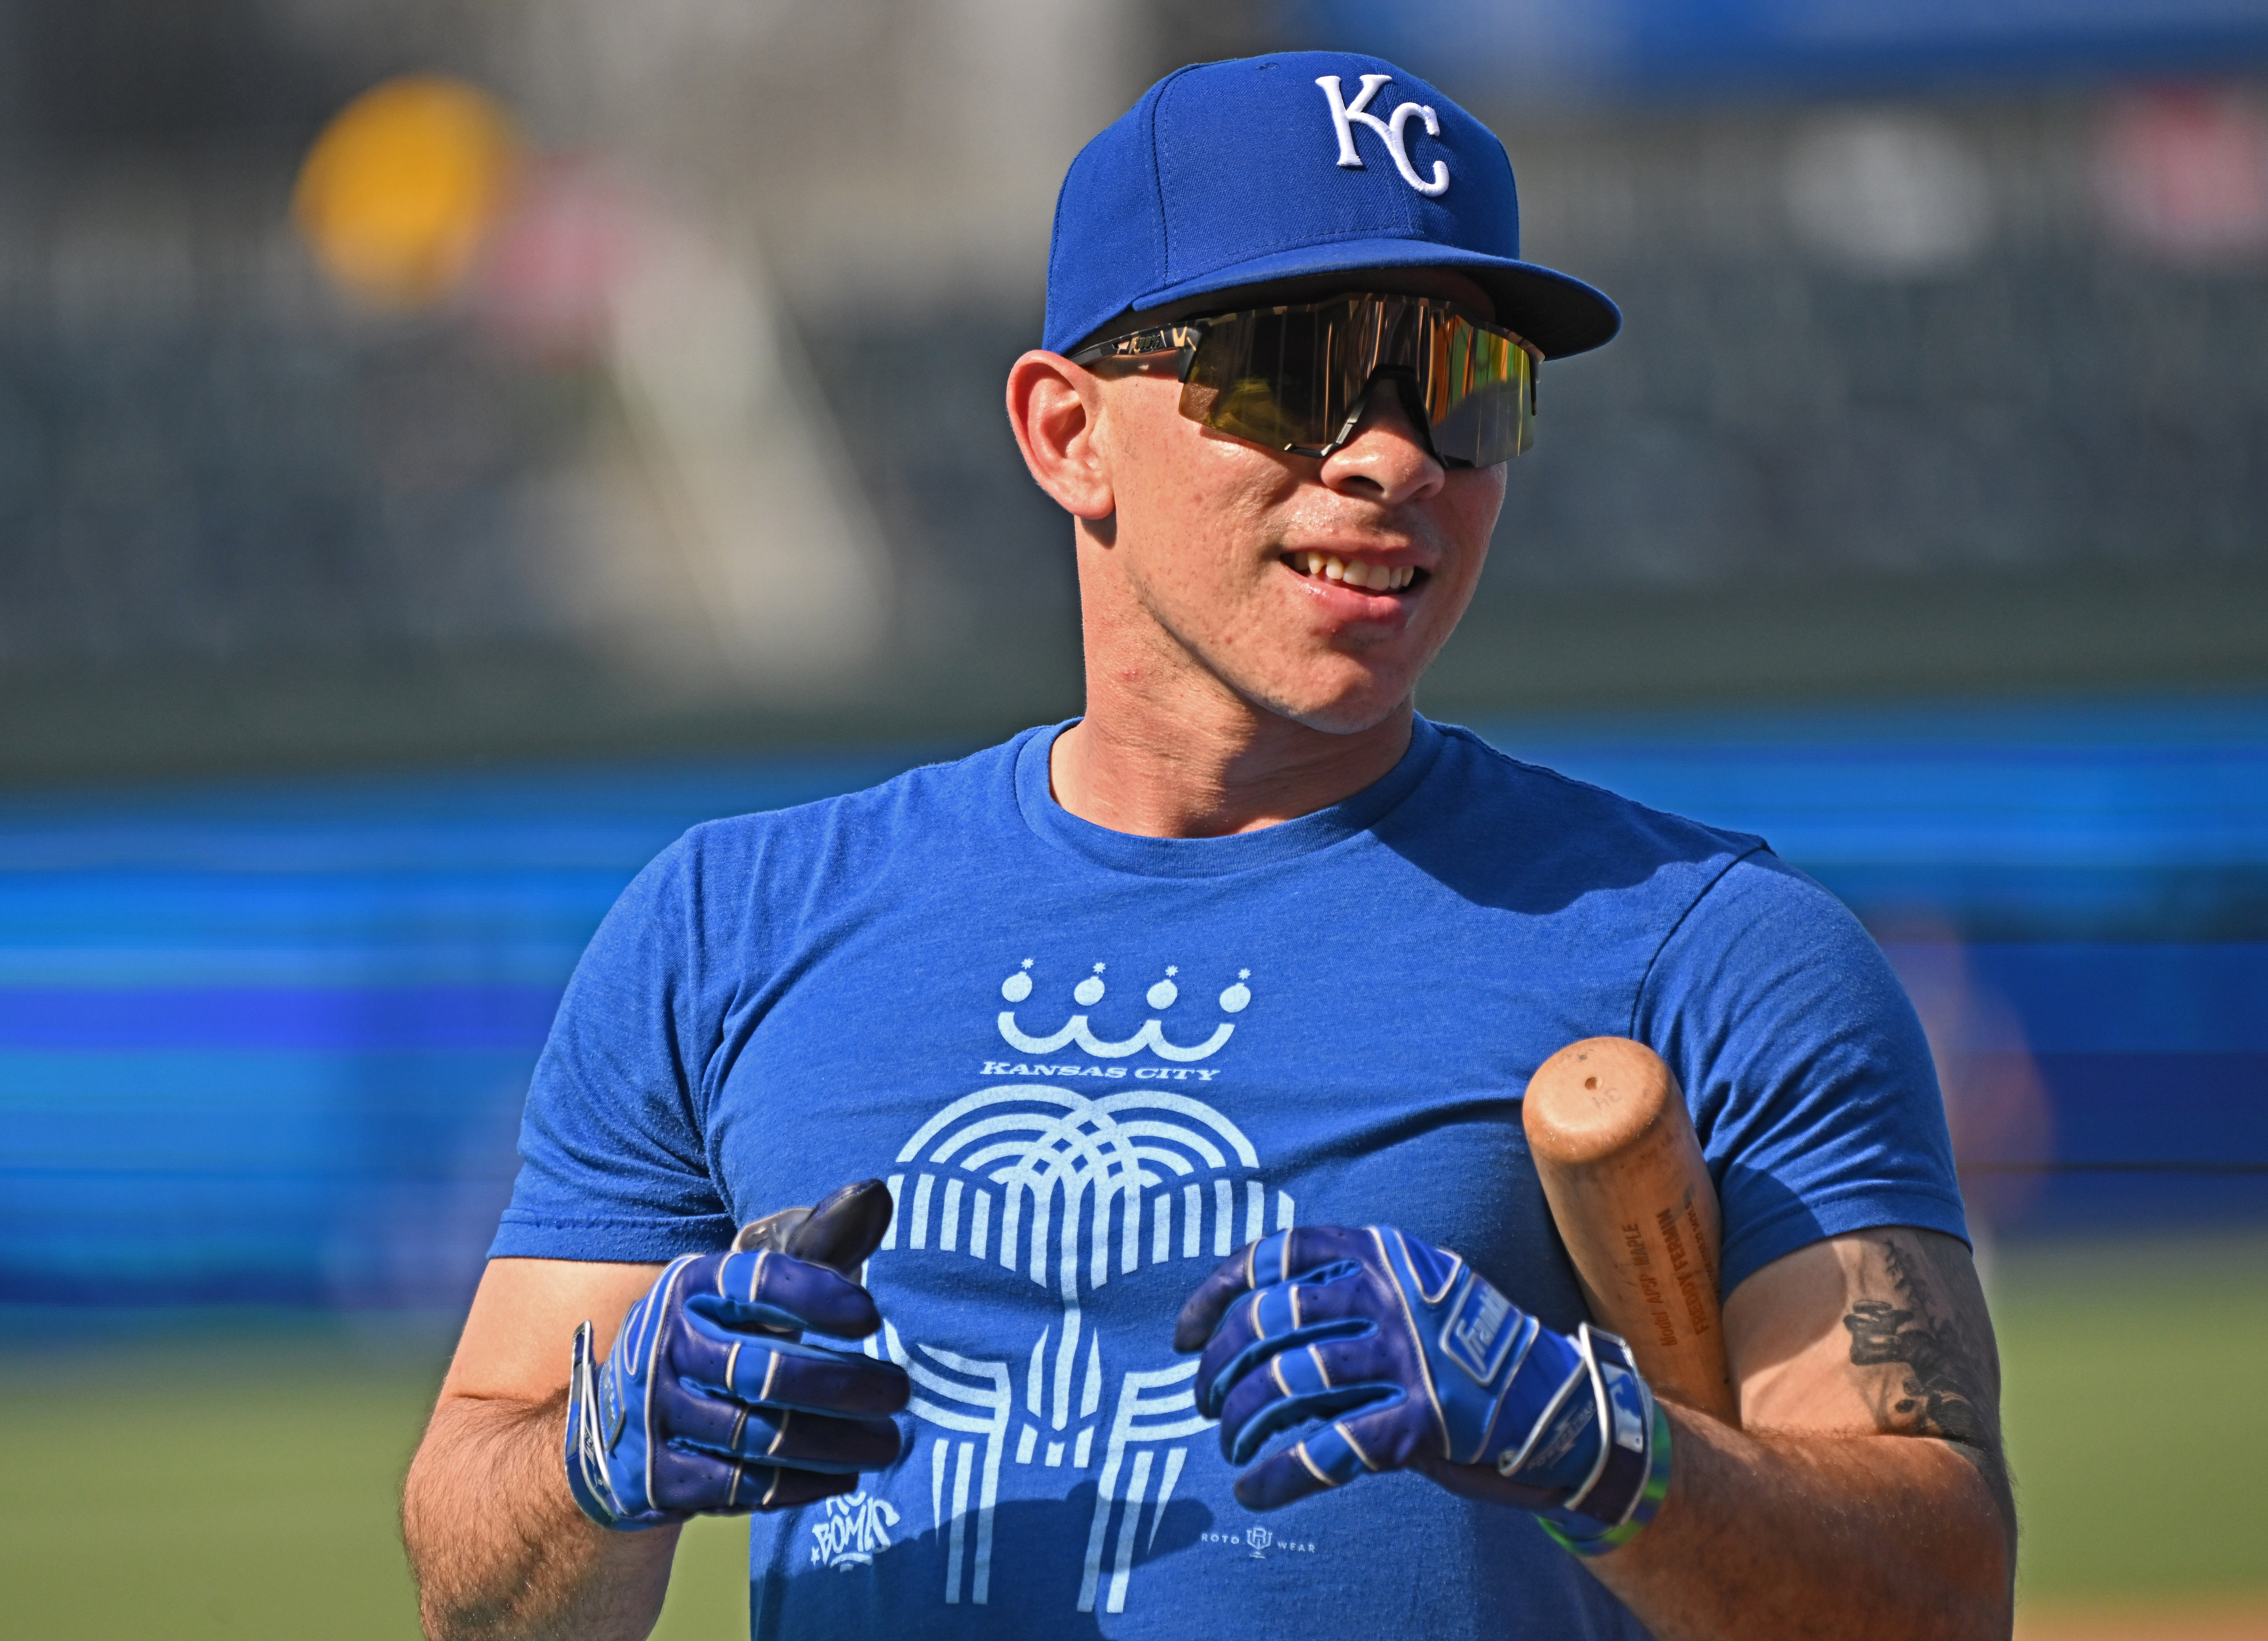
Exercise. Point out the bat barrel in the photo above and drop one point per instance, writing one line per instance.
(1629, 1191)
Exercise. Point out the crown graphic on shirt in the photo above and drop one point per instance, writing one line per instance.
(1161, 995)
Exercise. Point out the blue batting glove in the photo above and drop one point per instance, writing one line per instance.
(709, 1404)
(1410, 1359)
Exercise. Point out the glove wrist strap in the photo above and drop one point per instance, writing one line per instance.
(1585, 1536)
(588, 1480)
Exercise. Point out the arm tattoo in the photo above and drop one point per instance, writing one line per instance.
(1951, 1386)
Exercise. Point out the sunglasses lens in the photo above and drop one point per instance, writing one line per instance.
(1276, 378)
(1478, 400)
(1291, 378)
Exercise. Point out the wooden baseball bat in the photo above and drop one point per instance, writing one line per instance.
(1622, 1168)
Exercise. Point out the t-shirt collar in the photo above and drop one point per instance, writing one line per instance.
(1213, 856)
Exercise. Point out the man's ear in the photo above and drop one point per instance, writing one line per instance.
(1055, 407)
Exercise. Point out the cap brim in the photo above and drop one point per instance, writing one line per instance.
(1560, 315)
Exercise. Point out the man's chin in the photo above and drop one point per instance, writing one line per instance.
(1342, 712)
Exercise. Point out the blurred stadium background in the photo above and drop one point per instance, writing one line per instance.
(447, 449)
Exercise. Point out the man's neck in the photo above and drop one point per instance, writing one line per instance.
(1202, 773)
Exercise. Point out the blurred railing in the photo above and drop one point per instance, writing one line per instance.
(267, 1042)
(2076, 899)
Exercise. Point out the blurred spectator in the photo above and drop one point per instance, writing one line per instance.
(1995, 1103)
(2184, 174)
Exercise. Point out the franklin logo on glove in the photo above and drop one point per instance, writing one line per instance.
(1476, 1339)
(1347, 1337)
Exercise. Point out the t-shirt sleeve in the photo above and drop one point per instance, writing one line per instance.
(1811, 1083)
(613, 1163)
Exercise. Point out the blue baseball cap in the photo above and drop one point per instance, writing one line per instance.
(1306, 162)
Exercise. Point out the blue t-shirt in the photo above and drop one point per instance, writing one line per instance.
(1091, 1065)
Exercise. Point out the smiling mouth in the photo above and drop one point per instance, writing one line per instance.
(1354, 572)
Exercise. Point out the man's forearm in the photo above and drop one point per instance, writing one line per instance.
(1831, 1536)
(499, 1550)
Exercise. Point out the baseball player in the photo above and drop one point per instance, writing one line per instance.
(1174, 1263)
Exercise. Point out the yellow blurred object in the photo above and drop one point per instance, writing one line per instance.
(401, 186)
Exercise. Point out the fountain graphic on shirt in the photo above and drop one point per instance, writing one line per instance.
(1068, 1188)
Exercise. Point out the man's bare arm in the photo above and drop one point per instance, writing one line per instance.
(499, 1550)
(1866, 1494)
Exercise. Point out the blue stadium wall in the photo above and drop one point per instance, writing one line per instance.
(266, 1042)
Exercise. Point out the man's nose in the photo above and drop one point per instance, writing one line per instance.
(1388, 460)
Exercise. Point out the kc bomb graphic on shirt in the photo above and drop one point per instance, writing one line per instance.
(1087, 1159)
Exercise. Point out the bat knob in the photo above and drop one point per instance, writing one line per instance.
(1596, 1099)
(842, 1233)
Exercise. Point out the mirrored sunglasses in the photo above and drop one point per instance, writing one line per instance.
(1297, 379)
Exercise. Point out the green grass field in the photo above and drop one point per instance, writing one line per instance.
(198, 1487)
(2136, 1424)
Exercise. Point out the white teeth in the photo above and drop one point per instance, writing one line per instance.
(1377, 578)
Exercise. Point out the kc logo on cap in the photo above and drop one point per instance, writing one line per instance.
(1229, 176)
(1344, 115)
